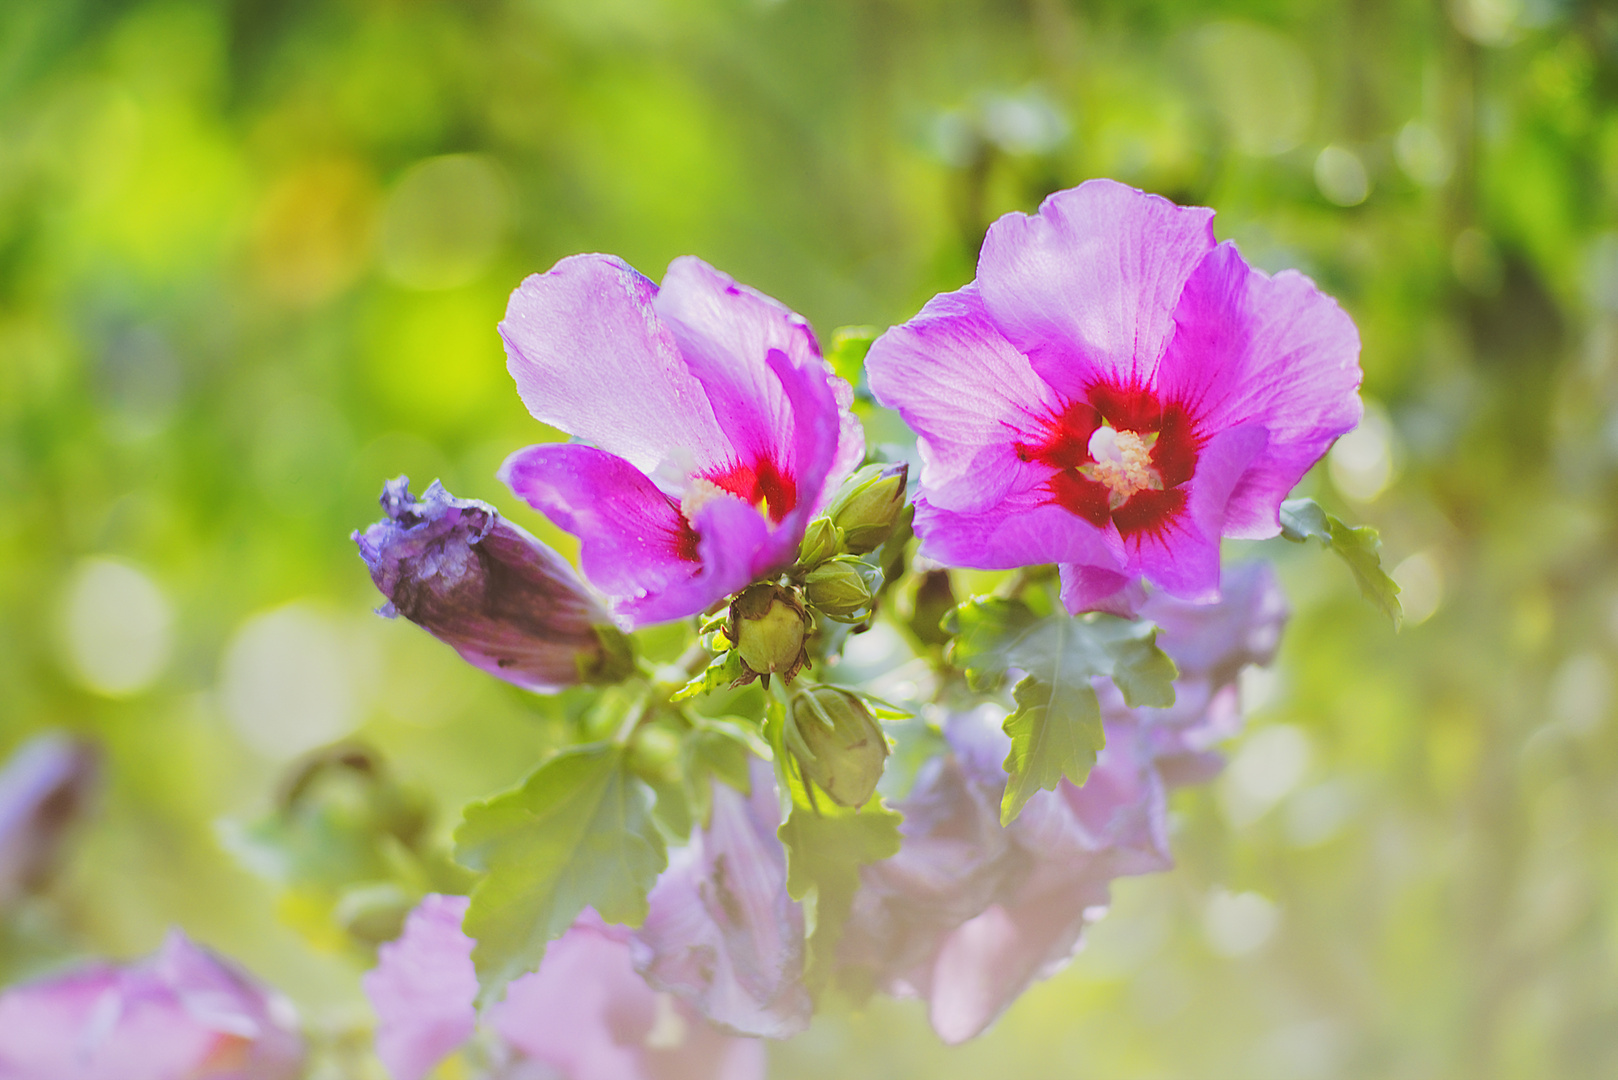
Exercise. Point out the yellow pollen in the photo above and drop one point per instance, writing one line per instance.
(1123, 462)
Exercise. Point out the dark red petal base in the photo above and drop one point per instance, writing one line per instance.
(1066, 447)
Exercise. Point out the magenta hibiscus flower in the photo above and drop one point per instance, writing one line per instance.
(1113, 393)
(714, 428)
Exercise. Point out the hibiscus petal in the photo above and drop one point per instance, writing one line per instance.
(587, 1014)
(590, 356)
(1090, 588)
(727, 333)
(814, 454)
(1182, 557)
(1250, 348)
(1021, 531)
(1087, 286)
(733, 540)
(970, 397)
(633, 539)
(722, 931)
(423, 988)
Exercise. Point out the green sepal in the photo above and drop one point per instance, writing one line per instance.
(577, 833)
(1358, 546)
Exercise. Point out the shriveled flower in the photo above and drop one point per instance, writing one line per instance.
(506, 602)
(584, 1014)
(722, 931)
(44, 788)
(180, 1014)
(715, 431)
(1114, 393)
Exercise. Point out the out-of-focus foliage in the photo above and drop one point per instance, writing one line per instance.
(251, 258)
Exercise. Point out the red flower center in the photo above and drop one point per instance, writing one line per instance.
(763, 484)
(1121, 456)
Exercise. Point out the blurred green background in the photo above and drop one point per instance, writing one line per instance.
(251, 259)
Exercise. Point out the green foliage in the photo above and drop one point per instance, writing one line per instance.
(1056, 727)
(1358, 546)
(717, 750)
(578, 833)
(724, 669)
(849, 344)
(826, 845)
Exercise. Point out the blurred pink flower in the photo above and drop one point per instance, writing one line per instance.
(180, 1014)
(585, 1014)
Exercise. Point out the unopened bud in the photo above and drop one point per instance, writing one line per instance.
(503, 600)
(819, 543)
(837, 743)
(768, 624)
(868, 505)
(374, 912)
(843, 588)
(935, 598)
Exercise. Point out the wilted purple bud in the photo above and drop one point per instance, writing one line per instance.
(507, 603)
(583, 1014)
(44, 788)
(422, 989)
(180, 1014)
(722, 931)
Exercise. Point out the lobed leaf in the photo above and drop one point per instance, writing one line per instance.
(578, 833)
(1358, 546)
(1056, 728)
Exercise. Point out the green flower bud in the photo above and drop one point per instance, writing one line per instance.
(837, 743)
(934, 599)
(867, 506)
(374, 912)
(819, 543)
(768, 624)
(843, 588)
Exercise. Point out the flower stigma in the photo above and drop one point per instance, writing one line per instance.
(1123, 462)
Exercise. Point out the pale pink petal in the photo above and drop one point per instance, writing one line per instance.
(423, 989)
(1087, 286)
(590, 357)
(969, 396)
(1248, 349)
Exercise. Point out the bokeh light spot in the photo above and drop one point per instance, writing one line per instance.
(115, 627)
(285, 684)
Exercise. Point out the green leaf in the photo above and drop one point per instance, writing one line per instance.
(1056, 728)
(577, 833)
(825, 850)
(826, 845)
(725, 669)
(1359, 546)
(1055, 732)
(718, 748)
